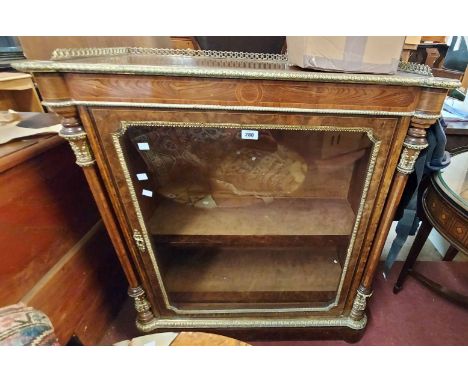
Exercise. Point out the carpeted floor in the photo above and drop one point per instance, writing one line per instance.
(416, 316)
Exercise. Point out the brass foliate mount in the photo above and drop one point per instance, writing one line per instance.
(139, 240)
(142, 306)
(359, 304)
(408, 157)
(78, 141)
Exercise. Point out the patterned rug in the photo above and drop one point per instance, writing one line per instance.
(21, 325)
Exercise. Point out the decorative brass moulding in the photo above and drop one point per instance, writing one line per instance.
(220, 323)
(264, 72)
(64, 54)
(148, 105)
(408, 157)
(412, 67)
(122, 159)
(80, 146)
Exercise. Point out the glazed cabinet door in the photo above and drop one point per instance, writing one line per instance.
(241, 216)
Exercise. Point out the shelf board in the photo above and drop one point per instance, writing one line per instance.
(233, 275)
(251, 241)
(282, 217)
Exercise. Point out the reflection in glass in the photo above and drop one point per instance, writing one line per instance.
(248, 217)
(455, 177)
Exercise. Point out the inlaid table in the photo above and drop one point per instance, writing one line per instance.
(445, 206)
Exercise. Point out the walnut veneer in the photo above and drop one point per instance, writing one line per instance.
(103, 93)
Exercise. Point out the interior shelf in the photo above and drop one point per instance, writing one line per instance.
(252, 275)
(262, 222)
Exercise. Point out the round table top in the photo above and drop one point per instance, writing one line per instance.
(182, 339)
(205, 339)
(454, 179)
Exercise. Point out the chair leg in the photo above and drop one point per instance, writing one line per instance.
(419, 241)
(450, 254)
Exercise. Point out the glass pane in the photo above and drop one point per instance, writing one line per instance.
(248, 217)
(455, 177)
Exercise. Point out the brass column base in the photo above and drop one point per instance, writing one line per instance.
(142, 306)
(359, 305)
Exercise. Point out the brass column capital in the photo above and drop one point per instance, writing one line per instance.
(78, 141)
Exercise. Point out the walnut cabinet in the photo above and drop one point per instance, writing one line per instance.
(242, 195)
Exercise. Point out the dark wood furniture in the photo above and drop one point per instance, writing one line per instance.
(242, 195)
(55, 254)
(457, 136)
(256, 44)
(431, 54)
(445, 205)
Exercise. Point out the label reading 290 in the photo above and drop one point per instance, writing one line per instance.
(249, 134)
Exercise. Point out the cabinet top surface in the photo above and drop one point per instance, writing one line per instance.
(198, 63)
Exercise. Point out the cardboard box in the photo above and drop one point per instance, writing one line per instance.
(436, 39)
(413, 40)
(346, 54)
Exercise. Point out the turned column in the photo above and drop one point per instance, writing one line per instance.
(74, 133)
(429, 107)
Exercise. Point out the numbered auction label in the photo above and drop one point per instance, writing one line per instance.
(143, 146)
(142, 176)
(249, 134)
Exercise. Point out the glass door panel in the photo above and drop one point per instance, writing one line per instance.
(248, 217)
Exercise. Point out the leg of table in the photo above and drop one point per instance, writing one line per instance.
(450, 254)
(421, 238)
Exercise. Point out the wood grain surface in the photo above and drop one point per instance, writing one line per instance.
(100, 87)
(83, 293)
(46, 208)
(205, 339)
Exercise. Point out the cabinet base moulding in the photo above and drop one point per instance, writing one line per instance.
(203, 323)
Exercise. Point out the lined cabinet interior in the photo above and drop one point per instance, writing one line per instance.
(247, 216)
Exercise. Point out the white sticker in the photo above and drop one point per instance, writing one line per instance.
(147, 193)
(143, 146)
(142, 176)
(249, 134)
